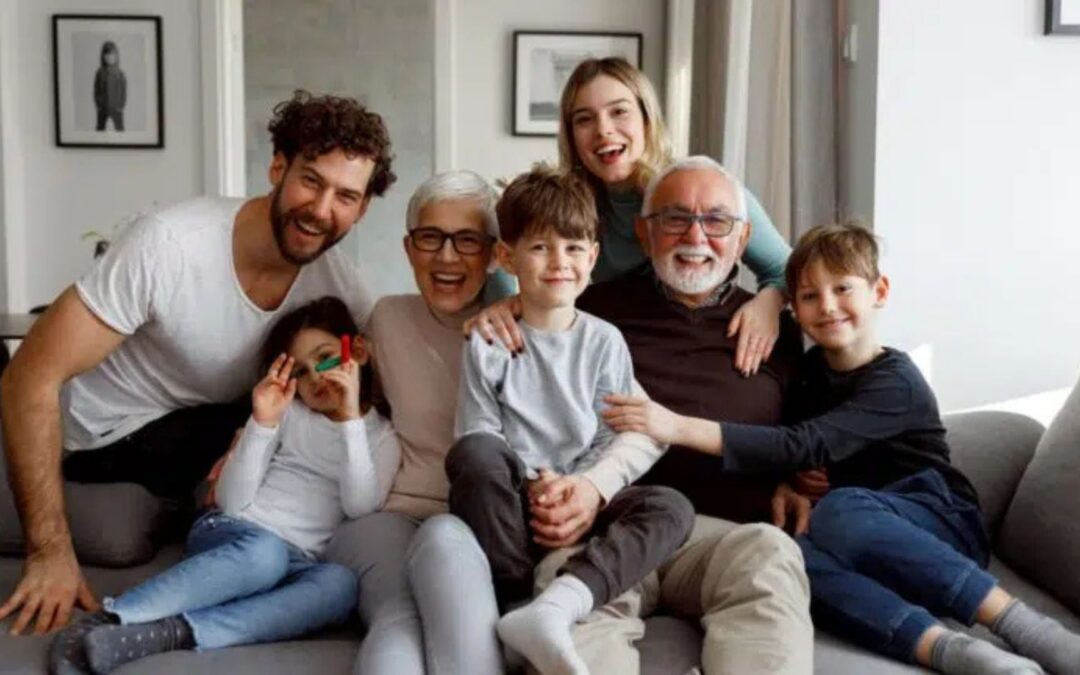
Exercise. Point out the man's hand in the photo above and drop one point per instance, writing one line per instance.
(563, 509)
(645, 416)
(790, 510)
(812, 483)
(50, 586)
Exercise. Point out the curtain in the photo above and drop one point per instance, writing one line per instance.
(764, 102)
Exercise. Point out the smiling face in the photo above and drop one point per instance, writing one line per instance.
(552, 271)
(692, 265)
(608, 130)
(448, 280)
(838, 310)
(316, 202)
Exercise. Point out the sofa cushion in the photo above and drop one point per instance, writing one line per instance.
(113, 524)
(992, 449)
(1040, 535)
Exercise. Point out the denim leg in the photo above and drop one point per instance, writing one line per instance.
(859, 608)
(227, 558)
(375, 547)
(451, 581)
(311, 596)
(914, 542)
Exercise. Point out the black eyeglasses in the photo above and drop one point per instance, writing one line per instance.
(465, 242)
(676, 222)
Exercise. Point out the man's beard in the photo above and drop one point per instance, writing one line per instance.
(279, 220)
(691, 281)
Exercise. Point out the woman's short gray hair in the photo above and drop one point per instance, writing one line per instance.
(458, 185)
(692, 163)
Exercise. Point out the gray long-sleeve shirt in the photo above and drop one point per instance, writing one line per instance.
(546, 402)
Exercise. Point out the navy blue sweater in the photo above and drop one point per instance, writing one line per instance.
(868, 427)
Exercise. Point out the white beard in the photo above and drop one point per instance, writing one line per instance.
(691, 281)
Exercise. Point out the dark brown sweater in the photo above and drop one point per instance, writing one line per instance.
(685, 361)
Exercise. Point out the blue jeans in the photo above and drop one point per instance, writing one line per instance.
(883, 563)
(238, 584)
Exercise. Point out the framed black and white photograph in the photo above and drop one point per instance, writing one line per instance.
(107, 81)
(543, 61)
(1063, 17)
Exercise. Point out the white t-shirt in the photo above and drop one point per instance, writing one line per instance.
(169, 284)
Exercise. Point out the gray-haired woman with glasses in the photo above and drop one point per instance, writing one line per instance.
(426, 594)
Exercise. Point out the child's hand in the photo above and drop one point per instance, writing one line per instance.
(630, 413)
(757, 323)
(274, 392)
(346, 380)
(790, 510)
(563, 508)
(499, 320)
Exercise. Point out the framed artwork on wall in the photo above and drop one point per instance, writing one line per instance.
(1062, 17)
(107, 81)
(543, 61)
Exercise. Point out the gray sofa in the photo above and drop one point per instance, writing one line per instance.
(1028, 480)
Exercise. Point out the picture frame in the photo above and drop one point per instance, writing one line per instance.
(543, 61)
(1062, 17)
(108, 89)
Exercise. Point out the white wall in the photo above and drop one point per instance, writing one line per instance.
(482, 66)
(67, 191)
(978, 167)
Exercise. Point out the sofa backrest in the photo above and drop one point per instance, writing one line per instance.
(1040, 536)
(992, 449)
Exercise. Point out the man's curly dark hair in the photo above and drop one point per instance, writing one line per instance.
(315, 125)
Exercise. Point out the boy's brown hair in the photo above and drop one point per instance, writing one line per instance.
(546, 198)
(845, 248)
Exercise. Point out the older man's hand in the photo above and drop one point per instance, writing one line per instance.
(790, 510)
(563, 509)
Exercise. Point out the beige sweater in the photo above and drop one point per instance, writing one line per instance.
(417, 354)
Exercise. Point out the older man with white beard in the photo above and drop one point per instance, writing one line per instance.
(745, 582)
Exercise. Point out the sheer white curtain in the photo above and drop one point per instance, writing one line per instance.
(763, 102)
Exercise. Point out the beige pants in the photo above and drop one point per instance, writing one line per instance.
(745, 583)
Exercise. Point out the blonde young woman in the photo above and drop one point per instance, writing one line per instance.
(612, 133)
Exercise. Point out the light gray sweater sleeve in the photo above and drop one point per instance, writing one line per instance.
(482, 368)
(627, 458)
(372, 457)
(616, 460)
(246, 467)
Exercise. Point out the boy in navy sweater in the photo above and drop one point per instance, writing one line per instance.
(900, 540)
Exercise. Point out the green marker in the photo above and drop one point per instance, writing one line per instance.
(327, 364)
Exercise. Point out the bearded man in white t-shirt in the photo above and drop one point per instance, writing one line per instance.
(134, 370)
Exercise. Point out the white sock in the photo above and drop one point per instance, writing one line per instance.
(540, 631)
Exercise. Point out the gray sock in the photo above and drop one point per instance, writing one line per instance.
(66, 653)
(958, 654)
(110, 647)
(1039, 637)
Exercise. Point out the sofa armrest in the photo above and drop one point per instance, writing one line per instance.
(992, 449)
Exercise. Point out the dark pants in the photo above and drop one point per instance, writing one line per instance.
(168, 456)
(883, 563)
(634, 533)
(103, 114)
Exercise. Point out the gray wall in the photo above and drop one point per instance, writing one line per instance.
(380, 53)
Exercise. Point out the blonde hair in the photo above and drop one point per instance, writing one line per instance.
(657, 152)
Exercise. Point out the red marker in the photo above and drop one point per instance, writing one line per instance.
(346, 349)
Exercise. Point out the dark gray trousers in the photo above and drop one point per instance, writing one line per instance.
(633, 534)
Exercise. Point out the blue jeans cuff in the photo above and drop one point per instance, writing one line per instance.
(906, 635)
(969, 592)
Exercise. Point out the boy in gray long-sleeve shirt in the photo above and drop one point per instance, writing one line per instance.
(526, 418)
